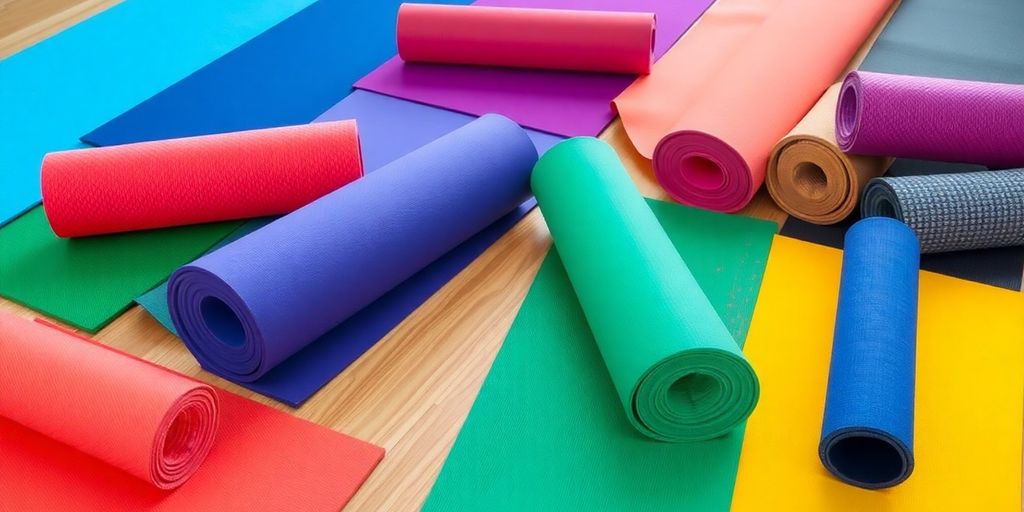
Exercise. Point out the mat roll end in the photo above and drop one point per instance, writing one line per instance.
(866, 458)
(848, 111)
(699, 169)
(187, 433)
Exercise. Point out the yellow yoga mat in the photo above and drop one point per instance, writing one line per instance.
(969, 404)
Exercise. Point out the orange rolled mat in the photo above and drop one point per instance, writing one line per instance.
(577, 40)
(147, 422)
(740, 80)
(193, 180)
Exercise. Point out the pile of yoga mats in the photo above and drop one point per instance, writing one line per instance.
(565, 103)
(288, 75)
(968, 401)
(107, 64)
(301, 375)
(974, 46)
(548, 430)
(261, 459)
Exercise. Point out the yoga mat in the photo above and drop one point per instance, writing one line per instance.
(564, 103)
(547, 431)
(240, 321)
(560, 39)
(261, 459)
(973, 46)
(288, 75)
(676, 367)
(194, 180)
(389, 128)
(953, 212)
(967, 405)
(867, 434)
(87, 282)
(715, 154)
(808, 175)
(149, 423)
(67, 84)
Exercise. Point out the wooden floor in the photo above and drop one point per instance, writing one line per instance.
(412, 391)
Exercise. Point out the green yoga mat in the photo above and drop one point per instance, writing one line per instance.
(86, 282)
(677, 369)
(547, 431)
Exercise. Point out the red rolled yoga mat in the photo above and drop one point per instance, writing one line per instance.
(85, 427)
(603, 41)
(193, 180)
(931, 119)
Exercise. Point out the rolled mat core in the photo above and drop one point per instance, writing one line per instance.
(678, 372)
(193, 180)
(867, 434)
(153, 424)
(250, 305)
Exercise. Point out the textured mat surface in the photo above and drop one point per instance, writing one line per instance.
(271, 460)
(969, 400)
(288, 75)
(867, 434)
(953, 212)
(194, 180)
(548, 431)
(565, 103)
(106, 64)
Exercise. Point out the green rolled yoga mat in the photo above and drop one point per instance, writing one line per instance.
(547, 430)
(677, 369)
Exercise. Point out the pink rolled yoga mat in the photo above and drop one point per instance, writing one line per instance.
(577, 40)
(931, 119)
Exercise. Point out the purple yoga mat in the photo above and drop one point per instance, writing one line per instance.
(564, 103)
(252, 304)
(931, 119)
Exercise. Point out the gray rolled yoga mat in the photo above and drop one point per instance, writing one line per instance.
(953, 212)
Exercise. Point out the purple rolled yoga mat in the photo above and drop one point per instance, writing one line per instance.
(248, 306)
(931, 119)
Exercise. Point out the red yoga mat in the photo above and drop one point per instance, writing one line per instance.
(603, 41)
(85, 427)
(193, 180)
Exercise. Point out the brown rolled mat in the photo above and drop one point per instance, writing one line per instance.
(810, 177)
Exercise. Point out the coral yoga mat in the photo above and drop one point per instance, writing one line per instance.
(193, 180)
(84, 427)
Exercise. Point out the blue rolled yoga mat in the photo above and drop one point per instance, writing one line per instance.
(867, 435)
(260, 301)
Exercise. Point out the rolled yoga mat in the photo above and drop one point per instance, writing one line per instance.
(716, 153)
(564, 39)
(953, 212)
(867, 435)
(678, 371)
(252, 304)
(194, 180)
(150, 423)
(931, 118)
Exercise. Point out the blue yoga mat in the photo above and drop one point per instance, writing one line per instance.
(288, 75)
(54, 91)
(867, 435)
(389, 128)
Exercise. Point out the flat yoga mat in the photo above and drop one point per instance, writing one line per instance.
(867, 434)
(973, 46)
(548, 431)
(560, 39)
(676, 367)
(968, 404)
(194, 180)
(243, 320)
(288, 75)
(71, 386)
(930, 118)
(564, 103)
(389, 128)
(953, 212)
(107, 64)
(715, 153)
